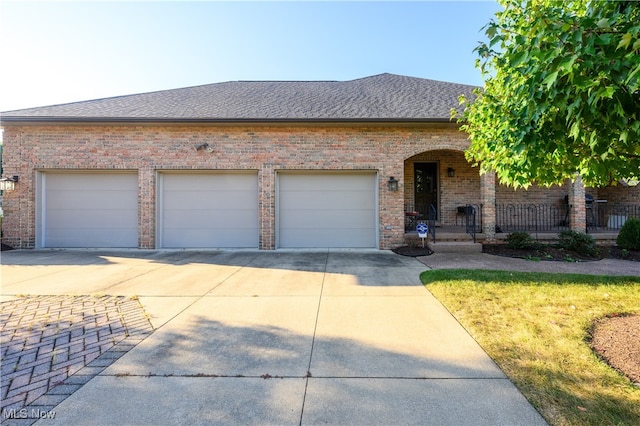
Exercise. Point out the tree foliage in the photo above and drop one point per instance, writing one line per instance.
(561, 95)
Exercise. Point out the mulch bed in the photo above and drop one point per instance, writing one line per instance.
(545, 252)
(617, 341)
(412, 251)
(550, 252)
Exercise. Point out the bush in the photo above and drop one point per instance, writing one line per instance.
(579, 242)
(629, 235)
(520, 240)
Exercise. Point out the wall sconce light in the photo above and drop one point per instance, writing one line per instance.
(204, 146)
(392, 184)
(8, 183)
(451, 172)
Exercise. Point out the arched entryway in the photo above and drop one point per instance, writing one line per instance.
(441, 182)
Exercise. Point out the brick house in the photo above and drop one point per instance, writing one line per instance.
(258, 164)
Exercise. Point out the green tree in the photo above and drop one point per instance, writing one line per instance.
(561, 95)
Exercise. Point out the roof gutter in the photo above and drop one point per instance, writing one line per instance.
(218, 121)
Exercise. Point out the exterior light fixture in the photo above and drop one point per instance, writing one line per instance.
(451, 172)
(392, 184)
(204, 146)
(8, 183)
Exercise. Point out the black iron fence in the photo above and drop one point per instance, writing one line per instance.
(532, 217)
(431, 222)
(555, 217)
(470, 220)
(610, 217)
(469, 215)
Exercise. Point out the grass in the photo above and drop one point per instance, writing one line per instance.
(536, 328)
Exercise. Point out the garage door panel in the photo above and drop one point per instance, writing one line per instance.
(95, 181)
(210, 200)
(79, 199)
(99, 237)
(90, 210)
(210, 219)
(207, 238)
(348, 238)
(116, 218)
(319, 200)
(209, 210)
(322, 181)
(327, 210)
(228, 182)
(328, 219)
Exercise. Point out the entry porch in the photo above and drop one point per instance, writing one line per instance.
(457, 203)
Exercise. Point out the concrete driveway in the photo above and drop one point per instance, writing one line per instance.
(249, 337)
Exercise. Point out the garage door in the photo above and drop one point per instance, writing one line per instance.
(91, 210)
(327, 210)
(208, 210)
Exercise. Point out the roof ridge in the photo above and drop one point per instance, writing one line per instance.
(284, 81)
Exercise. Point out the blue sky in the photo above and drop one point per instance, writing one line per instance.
(57, 52)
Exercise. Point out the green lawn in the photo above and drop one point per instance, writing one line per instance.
(536, 328)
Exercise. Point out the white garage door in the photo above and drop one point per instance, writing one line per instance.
(89, 210)
(208, 210)
(327, 210)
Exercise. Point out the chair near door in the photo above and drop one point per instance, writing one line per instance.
(411, 220)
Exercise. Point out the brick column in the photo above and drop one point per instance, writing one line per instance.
(267, 207)
(391, 214)
(577, 208)
(488, 199)
(146, 208)
(19, 221)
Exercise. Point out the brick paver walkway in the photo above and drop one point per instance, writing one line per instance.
(47, 339)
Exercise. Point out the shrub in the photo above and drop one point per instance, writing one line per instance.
(520, 240)
(579, 242)
(629, 235)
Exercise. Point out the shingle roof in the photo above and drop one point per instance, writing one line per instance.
(384, 97)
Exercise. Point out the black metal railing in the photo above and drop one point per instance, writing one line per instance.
(603, 216)
(472, 225)
(555, 217)
(431, 221)
(532, 217)
(470, 221)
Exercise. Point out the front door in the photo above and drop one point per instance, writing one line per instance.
(426, 187)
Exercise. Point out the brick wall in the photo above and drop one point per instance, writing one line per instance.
(620, 194)
(535, 194)
(147, 149)
(391, 151)
(555, 194)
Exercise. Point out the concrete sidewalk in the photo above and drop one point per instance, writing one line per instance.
(248, 337)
